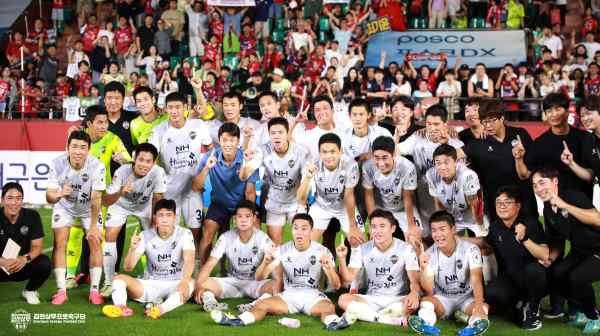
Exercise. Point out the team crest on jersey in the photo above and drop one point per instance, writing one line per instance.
(459, 264)
(396, 181)
(85, 177)
(289, 259)
(24, 230)
(108, 215)
(313, 260)
(255, 249)
(291, 163)
(148, 184)
(125, 124)
(173, 244)
(56, 217)
(169, 140)
(371, 260)
(193, 135)
(394, 259)
(342, 179)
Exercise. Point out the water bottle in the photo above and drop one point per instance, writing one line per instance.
(289, 322)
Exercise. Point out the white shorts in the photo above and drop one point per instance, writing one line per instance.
(479, 230)
(233, 288)
(62, 218)
(454, 303)
(302, 300)
(322, 217)
(282, 213)
(116, 216)
(403, 221)
(379, 302)
(157, 290)
(191, 207)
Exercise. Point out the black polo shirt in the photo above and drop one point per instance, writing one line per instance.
(494, 163)
(466, 135)
(121, 128)
(512, 256)
(591, 154)
(546, 152)
(27, 228)
(561, 225)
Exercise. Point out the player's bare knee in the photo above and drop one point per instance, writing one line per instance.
(344, 300)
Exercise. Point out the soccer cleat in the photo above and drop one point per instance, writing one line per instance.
(226, 319)
(461, 316)
(32, 297)
(113, 311)
(579, 321)
(106, 290)
(71, 283)
(154, 312)
(341, 323)
(210, 305)
(244, 307)
(419, 326)
(533, 320)
(479, 327)
(60, 297)
(554, 312)
(95, 297)
(592, 326)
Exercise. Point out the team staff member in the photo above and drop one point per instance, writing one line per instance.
(23, 227)
(570, 215)
(119, 121)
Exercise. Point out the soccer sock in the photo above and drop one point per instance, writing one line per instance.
(172, 302)
(247, 318)
(489, 268)
(119, 294)
(74, 250)
(60, 275)
(395, 309)
(362, 311)
(95, 276)
(110, 258)
(427, 313)
(330, 318)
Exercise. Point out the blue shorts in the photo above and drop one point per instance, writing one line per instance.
(219, 214)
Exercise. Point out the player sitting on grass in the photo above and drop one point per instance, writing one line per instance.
(300, 264)
(244, 247)
(391, 270)
(170, 251)
(452, 278)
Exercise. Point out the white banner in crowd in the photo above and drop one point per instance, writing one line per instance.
(232, 3)
(30, 169)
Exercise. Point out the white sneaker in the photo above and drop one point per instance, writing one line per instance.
(32, 297)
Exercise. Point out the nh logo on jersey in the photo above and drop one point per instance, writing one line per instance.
(300, 272)
(280, 173)
(387, 190)
(164, 257)
(332, 190)
(451, 278)
(182, 148)
(382, 271)
(244, 261)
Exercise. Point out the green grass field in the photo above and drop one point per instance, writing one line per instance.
(189, 319)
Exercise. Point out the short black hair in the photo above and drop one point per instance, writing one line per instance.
(490, 109)
(303, 216)
(546, 172)
(511, 191)
(279, 121)
(322, 98)
(234, 94)
(592, 103)
(330, 138)
(11, 185)
(359, 102)
(267, 93)
(164, 203)
(79, 135)
(445, 149)
(384, 143)
(437, 110)
(145, 147)
(473, 101)
(407, 101)
(142, 89)
(442, 216)
(556, 99)
(93, 111)
(114, 86)
(246, 204)
(229, 128)
(175, 97)
(380, 213)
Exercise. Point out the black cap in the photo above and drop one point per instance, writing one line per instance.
(523, 64)
(464, 67)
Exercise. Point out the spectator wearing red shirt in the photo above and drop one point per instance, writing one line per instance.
(5, 88)
(247, 40)
(316, 63)
(395, 10)
(90, 33)
(592, 82)
(13, 52)
(37, 37)
(83, 79)
(124, 38)
(272, 58)
(590, 23)
(212, 50)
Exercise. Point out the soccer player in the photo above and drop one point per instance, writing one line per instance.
(141, 127)
(170, 251)
(133, 192)
(389, 181)
(233, 104)
(180, 143)
(283, 162)
(391, 270)
(244, 247)
(455, 188)
(335, 177)
(75, 187)
(358, 140)
(452, 280)
(300, 264)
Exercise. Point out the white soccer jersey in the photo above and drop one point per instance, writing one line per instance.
(91, 177)
(144, 188)
(454, 195)
(388, 188)
(332, 184)
(385, 272)
(354, 146)
(257, 137)
(301, 269)
(421, 149)
(452, 275)
(310, 138)
(165, 256)
(283, 174)
(179, 153)
(242, 258)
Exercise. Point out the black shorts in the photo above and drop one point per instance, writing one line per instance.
(219, 214)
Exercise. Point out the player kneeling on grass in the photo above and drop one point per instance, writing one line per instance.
(452, 278)
(244, 247)
(300, 264)
(391, 270)
(170, 250)
(135, 188)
